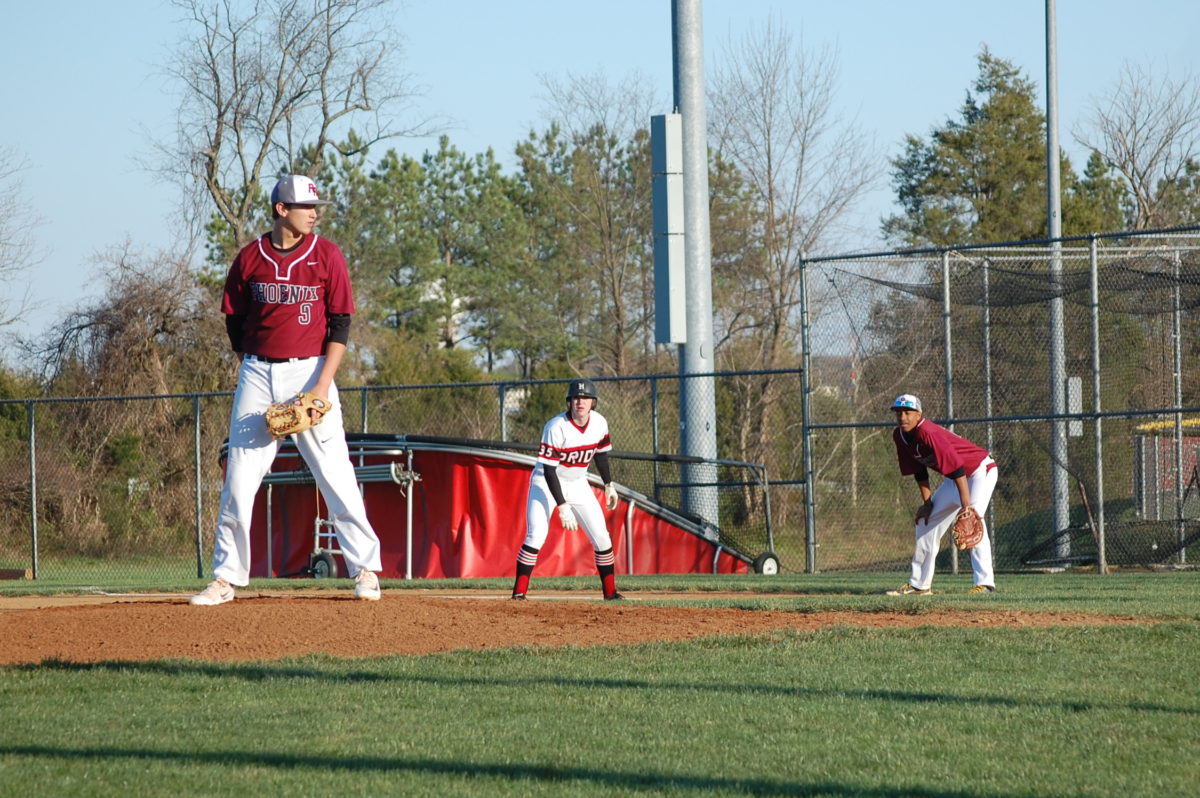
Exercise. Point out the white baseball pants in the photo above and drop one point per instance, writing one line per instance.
(945, 510)
(252, 451)
(583, 501)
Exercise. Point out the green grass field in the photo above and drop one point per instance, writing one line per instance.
(1093, 710)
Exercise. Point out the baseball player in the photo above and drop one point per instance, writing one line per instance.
(287, 306)
(570, 442)
(970, 477)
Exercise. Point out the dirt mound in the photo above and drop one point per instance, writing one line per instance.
(267, 627)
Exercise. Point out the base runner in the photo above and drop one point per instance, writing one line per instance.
(571, 441)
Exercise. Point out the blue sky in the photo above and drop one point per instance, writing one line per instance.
(85, 87)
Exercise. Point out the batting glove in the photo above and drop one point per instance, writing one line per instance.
(567, 517)
(610, 495)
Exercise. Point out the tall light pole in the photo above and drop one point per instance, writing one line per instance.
(1060, 495)
(697, 395)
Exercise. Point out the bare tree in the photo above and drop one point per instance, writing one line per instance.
(269, 88)
(772, 117)
(1148, 129)
(17, 223)
(802, 168)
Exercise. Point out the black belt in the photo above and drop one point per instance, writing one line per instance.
(276, 359)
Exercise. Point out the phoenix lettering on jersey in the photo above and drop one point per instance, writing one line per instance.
(283, 293)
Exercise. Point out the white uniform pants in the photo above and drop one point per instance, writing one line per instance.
(945, 510)
(252, 451)
(580, 496)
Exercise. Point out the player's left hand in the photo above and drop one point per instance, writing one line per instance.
(316, 414)
(610, 495)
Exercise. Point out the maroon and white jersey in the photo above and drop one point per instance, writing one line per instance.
(570, 448)
(285, 296)
(936, 448)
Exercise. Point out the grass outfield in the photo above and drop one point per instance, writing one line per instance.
(928, 712)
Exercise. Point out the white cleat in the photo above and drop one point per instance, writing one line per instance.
(366, 586)
(218, 591)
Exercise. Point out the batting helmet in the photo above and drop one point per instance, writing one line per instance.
(583, 387)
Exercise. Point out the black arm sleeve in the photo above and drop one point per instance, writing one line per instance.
(922, 475)
(956, 473)
(235, 328)
(338, 329)
(551, 474)
(601, 461)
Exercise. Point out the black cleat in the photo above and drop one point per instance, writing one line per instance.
(518, 596)
(614, 597)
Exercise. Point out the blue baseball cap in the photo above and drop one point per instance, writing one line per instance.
(906, 401)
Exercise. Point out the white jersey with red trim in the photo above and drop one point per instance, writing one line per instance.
(571, 448)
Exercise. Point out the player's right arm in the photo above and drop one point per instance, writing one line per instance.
(926, 497)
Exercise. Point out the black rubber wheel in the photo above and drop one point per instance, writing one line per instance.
(323, 566)
(766, 564)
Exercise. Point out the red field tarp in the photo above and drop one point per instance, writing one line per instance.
(468, 520)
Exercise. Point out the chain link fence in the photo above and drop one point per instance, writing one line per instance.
(117, 488)
(120, 489)
(972, 331)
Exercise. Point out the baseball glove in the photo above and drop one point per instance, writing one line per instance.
(968, 529)
(288, 418)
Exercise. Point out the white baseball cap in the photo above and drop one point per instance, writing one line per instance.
(906, 401)
(296, 190)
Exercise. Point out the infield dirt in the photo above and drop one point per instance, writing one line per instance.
(269, 626)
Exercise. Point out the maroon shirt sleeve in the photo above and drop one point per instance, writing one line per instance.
(339, 298)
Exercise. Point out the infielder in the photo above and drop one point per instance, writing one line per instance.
(970, 477)
(570, 442)
(287, 306)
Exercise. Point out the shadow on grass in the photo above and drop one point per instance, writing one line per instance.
(607, 779)
(261, 673)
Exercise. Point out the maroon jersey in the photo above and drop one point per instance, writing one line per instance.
(285, 296)
(929, 446)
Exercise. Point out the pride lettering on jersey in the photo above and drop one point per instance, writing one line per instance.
(572, 458)
(283, 293)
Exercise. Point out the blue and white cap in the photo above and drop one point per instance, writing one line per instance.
(906, 401)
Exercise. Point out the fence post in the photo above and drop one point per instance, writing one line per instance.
(30, 408)
(810, 530)
(987, 380)
(1097, 427)
(948, 365)
(654, 437)
(947, 357)
(1177, 364)
(199, 486)
(503, 416)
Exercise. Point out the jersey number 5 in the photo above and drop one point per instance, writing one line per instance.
(305, 313)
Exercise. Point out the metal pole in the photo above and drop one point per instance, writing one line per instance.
(408, 520)
(947, 356)
(987, 379)
(948, 365)
(1177, 364)
(697, 395)
(1058, 360)
(197, 465)
(1097, 426)
(810, 526)
(654, 435)
(30, 409)
(503, 415)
